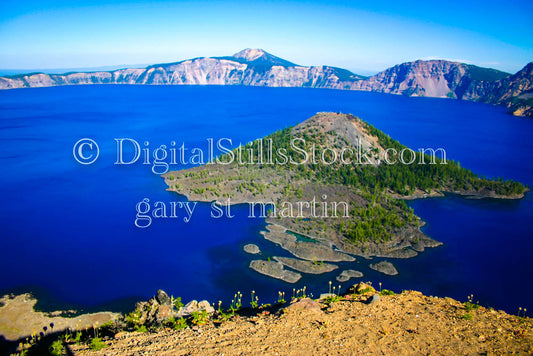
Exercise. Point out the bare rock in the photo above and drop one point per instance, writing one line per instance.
(306, 266)
(347, 274)
(163, 313)
(204, 305)
(362, 288)
(311, 251)
(275, 269)
(385, 267)
(306, 304)
(252, 249)
(189, 308)
(162, 297)
(373, 299)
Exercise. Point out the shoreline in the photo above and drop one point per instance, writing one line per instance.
(20, 319)
(411, 252)
(415, 196)
(469, 194)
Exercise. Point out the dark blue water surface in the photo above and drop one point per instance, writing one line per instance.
(67, 230)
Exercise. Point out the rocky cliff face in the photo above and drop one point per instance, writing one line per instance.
(435, 78)
(248, 67)
(515, 92)
(255, 67)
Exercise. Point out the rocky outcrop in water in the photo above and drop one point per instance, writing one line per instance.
(251, 249)
(314, 267)
(385, 267)
(275, 270)
(311, 251)
(347, 274)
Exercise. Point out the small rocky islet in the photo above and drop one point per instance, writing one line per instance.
(275, 269)
(306, 266)
(384, 267)
(251, 249)
(346, 275)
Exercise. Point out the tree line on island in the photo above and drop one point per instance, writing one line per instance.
(384, 214)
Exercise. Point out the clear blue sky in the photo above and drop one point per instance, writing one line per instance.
(358, 35)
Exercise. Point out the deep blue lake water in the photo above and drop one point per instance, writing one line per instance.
(67, 230)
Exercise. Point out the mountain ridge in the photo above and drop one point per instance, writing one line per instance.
(256, 67)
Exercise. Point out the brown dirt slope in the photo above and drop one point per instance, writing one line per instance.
(405, 324)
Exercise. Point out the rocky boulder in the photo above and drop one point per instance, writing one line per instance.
(162, 298)
(194, 306)
(361, 288)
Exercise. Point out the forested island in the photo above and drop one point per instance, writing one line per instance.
(375, 221)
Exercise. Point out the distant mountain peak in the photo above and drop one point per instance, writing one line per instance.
(257, 56)
(250, 54)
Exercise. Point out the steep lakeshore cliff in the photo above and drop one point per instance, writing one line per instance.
(255, 67)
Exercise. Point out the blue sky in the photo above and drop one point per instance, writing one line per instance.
(364, 36)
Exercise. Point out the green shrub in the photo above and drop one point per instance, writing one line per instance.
(469, 306)
(181, 323)
(133, 318)
(97, 344)
(467, 316)
(332, 299)
(56, 348)
(366, 290)
(141, 328)
(199, 317)
(177, 302)
(77, 339)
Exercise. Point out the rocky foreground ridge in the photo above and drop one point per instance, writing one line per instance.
(255, 67)
(361, 321)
